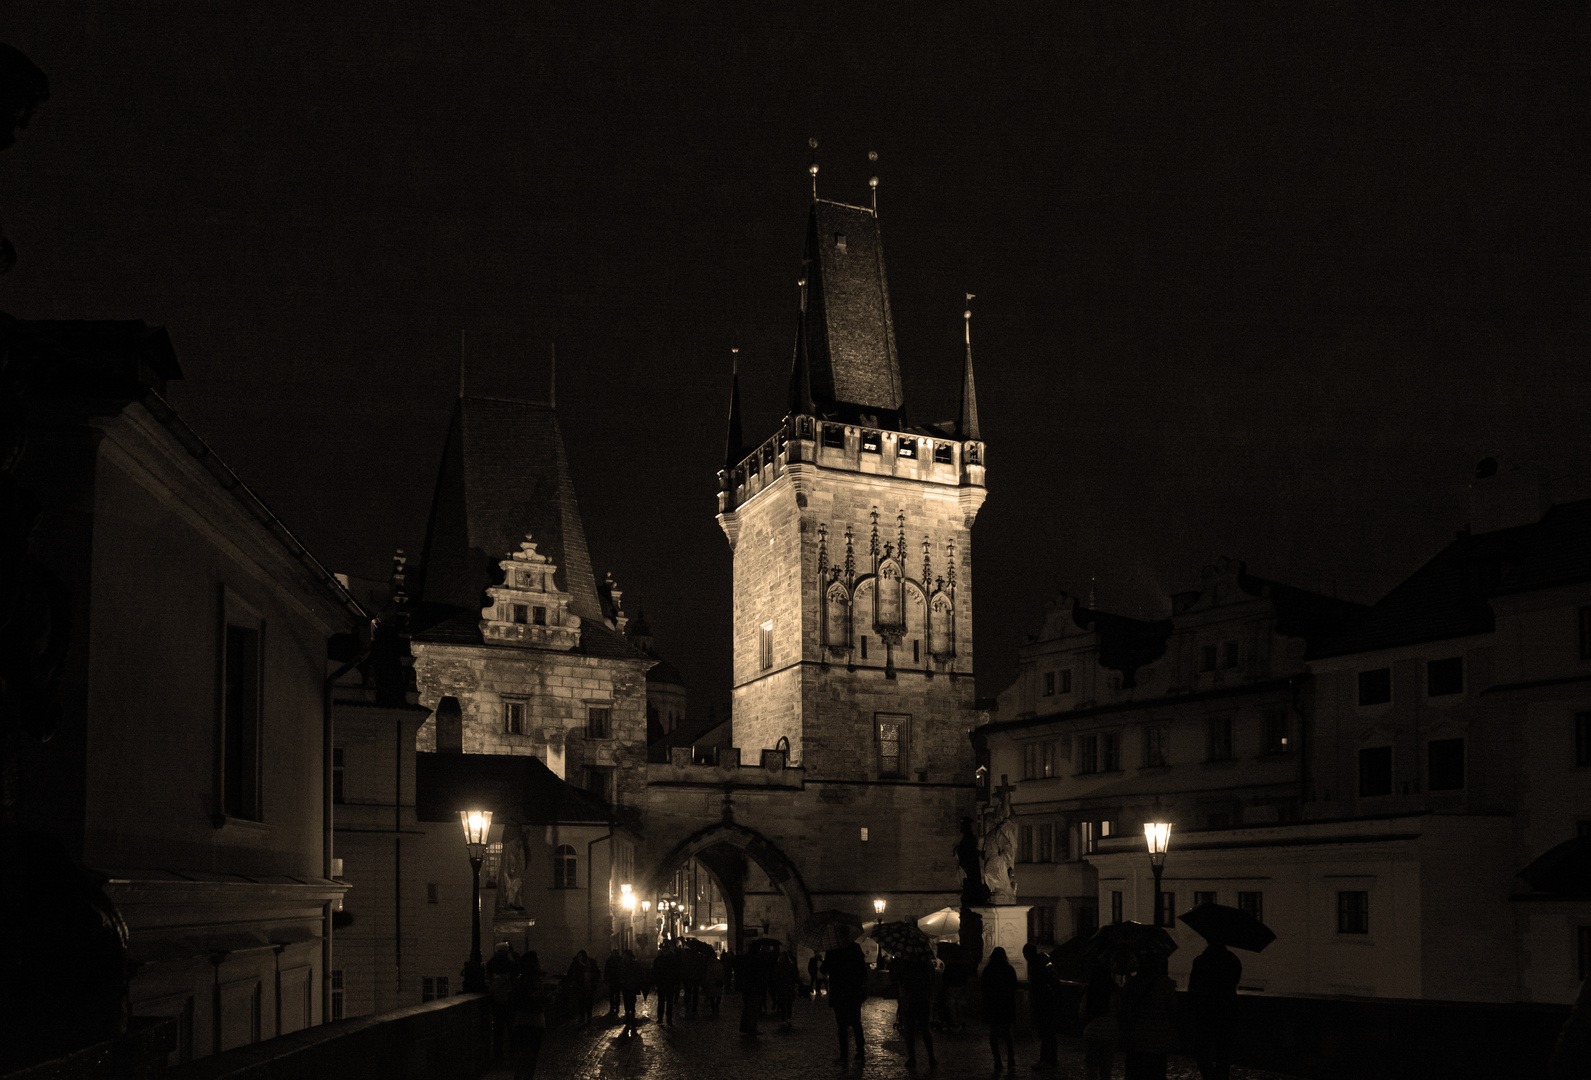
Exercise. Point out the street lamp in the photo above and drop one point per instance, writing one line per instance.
(1157, 834)
(878, 908)
(477, 824)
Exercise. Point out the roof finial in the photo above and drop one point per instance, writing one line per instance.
(813, 168)
(734, 443)
(872, 181)
(552, 383)
(969, 393)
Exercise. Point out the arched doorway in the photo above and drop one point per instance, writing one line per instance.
(761, 889)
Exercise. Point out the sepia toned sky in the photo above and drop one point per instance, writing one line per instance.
(1262, 281)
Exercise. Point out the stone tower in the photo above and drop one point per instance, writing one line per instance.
(851, 532)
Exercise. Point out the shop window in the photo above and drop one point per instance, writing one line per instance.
(1353, 912)
(1375, 686)
(1443, 677)
(1444, 764)
(1375, 771)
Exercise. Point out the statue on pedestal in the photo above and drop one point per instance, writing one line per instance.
(999, 848)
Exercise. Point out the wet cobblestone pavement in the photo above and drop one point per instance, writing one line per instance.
(712, 1048)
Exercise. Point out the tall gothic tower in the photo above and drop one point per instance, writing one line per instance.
(851, 532)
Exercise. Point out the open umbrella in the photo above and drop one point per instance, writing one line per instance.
(697, 945)
(903, 939)
(1228, 925)
(1564, 870)
(827, 930)
(1124, 947)
(946, 922)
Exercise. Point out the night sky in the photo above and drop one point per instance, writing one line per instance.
(1256, 280)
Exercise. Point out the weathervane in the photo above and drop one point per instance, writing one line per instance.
(813, 168)
(967, 319)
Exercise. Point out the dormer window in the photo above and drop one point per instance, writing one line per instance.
(521, 614)
(538, 616)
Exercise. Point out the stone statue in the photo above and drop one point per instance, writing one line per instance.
(999, 849)
(512, 870)
(973, 890)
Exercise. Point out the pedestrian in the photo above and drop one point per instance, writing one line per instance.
(957, 973)
(583, 977)
(666, 980)
(1100, 1012)
(751, 976)
(500, 985)
(630, 978)
(1042, 995)
(713, 983)
(815, 975)
(786, 977)
(1212, 998)
(845, 969)
(998, 984)
(1148, 1020)
(916, 983)
(530, 1015)
(610, 975)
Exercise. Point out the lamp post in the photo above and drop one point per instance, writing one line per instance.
(477, 824)
(878, 909)
(1157, 835)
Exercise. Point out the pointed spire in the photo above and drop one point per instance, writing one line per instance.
(801, 369)
(968, 426)
(735, 444)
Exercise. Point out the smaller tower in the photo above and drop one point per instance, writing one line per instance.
(528, 609)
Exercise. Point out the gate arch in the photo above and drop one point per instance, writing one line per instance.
(768, 856)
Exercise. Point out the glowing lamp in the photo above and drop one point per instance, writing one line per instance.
(627, 900)
(476, 824)
(878, 907)
(1157, 834)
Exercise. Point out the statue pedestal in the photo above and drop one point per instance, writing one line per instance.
(1005, 926)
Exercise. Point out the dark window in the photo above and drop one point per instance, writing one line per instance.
(834, 435)
(538, 615)
(1375, 771)
(1582, 738)
(1220, 741)
(917, 650)
(336, 993)
(1375, 687)
(563, 867)
(1066, 681)
(430, 893)
(1207, 658)
(1353, 912)
(1166, 909)
(862, 641)
(906, 448)
(1109, 752)
(1115, 907)
(1585, 633)
(521, 613)
(514, 717)
(1041, 924)
(1045, 851)
(1444, 764)
(433, 989)
(491, 864)
(1444, 676)
(892, 746)
(1276, 731)
(872, 443)
(1030, 761)
(1253, 903)
(1154, 745)
(1583, 936)
(765, 646)
(1049, 683)
(943, 454)
(1203, 898)
(599, 782)
(1088, 753)
(240, 785)
(1229, 654)
(1024, 843)
(336, 774)
(599, 723)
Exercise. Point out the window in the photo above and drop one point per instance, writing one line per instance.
(1085, 917)
(1088, 753)
(834, 435)
(917, 650)
(1444, 760)
(1049, 684)
(906, 448)
(1066, 680)
(891, 746)
(599, 782)
(1229, 654)
(1115, 907)
(538, 615)
(1109, 752)
(1444, 677)
(521, 613)
(872, 443)
(1047, 759)
(1045, 851)
(1585, 632)
(491, 864)
(765, 646)
(862, 640)
(1024, 843)
(1220, 739)
(1253, 903)
(1154, 745)
(1276, 731)
(1207, 658)
(1041, 924)
(1203, 898)
(599, 722)
(1582, 738)
(563, 867)
(336, 993)
(1583, 937)
(240, 769)
(1030, 761)
(1166, 909)
(943, 454)
(430, 892)
(1375, 771)
(514, 717)
(1375, 686)
(337, 774)
(433, 989)
(1090, 833)
(1353, 912)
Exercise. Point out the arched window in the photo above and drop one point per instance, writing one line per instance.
(563, 867)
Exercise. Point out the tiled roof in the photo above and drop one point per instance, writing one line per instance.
(1448, 596)
(517, 788)
(850, 336)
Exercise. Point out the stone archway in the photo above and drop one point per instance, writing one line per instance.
(711, 845)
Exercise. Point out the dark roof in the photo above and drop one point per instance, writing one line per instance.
(849, 333)
(1125, 644)
(686, 733)
(665, 672)
(504, 474)
(1448, 596)
(454, 626)
(517, 788)
(98, 357)
(1302, 613)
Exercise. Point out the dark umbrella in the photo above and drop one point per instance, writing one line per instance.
(1229, 926)
(903, 939)
(697, 945)
(1124, 947)
(1564, 870)
(827, 930)
(1070, 961)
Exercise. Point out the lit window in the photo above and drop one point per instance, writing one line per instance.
(891, 746)
(1353, 912)
(1375, 686)
(1047, 759)
(599, 723)
(514, 717)
(1276, 731)
(490, 865)
(1443, 677)
(872, 442)
(563, 867)
(1375, 771)
(906, 448)
(1444, 764)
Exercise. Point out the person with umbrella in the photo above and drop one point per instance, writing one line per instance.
(914, 974)
(1212, 984)
(846, 970)
(1149, 1019)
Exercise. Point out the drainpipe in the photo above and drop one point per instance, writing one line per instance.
(591, 885)
(326, 816)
